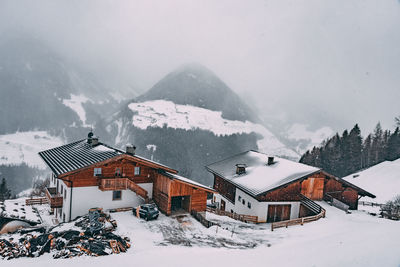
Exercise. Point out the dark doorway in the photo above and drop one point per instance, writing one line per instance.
(180, 203)
(277, 213)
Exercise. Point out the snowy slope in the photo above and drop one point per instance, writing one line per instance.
(76, 104)
(383, 180)
(160, 113)
(23, 147)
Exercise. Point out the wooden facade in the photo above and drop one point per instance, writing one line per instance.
(119, 174)
(119, 167)
(170, 194)
(225, 188)
(315, 187)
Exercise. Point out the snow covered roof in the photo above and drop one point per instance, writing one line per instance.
(77, 155)
(188, 181)
(259, 176)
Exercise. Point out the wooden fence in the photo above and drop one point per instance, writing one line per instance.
(240, 217)
(36, 201)
(202, 219)
(298, 221)
(372, 204)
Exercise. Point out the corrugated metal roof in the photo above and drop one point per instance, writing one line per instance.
(77, 155)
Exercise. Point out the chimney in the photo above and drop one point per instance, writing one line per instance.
(89, 137)
(240, 168)
(270, 160)
(130, 149)
(95, 140)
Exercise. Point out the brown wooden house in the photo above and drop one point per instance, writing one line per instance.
(88, 174)
(276, 189)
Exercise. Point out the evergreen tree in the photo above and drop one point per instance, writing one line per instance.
(366, 153)
(377, 145)
(345, 164)
(346, 154)
(397, 121)
(393, 145)
(355, 150)
(5, 193)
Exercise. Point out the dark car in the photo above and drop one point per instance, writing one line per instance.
(146, 211)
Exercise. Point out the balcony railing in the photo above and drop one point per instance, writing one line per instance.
(113, 184)
(54, 198)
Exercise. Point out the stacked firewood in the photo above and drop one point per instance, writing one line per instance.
(94, 238)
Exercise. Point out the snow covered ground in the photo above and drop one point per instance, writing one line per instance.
(383, 180)
(16, 208)
(22, 147)
(158, 113)
(340, 239)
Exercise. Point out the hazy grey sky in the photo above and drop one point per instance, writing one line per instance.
(340, 59)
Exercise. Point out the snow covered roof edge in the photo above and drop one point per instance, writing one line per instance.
(187, 180)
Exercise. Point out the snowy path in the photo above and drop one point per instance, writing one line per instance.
(340, 239)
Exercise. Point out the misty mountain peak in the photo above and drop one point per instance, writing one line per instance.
(194, 84)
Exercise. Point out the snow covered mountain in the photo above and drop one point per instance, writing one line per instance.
(44, 101)
(195, 85)
(184, 122)
(383, 180)
(41, 90)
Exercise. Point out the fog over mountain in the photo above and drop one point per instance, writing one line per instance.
(311, 62)
(189, 119)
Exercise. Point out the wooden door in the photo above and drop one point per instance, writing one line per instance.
(313, 188)
(223, 205)
(277, 213)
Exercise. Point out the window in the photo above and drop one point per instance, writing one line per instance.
(137, 170)
(118, 172)
(65, 193)
(63, 217)
(97, 172)
(243, 201)
(249, 205)
(239, 198)
(117, 195)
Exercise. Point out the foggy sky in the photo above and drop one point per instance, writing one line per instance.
(320, 62)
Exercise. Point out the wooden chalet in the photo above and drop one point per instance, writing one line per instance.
(276, 189)
(88, 173)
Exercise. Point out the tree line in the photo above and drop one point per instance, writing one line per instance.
(345, 154)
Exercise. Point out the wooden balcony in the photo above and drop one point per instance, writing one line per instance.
(113, 184)
(55, 199)
(116, 184)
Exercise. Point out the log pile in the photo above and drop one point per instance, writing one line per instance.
(92, 235)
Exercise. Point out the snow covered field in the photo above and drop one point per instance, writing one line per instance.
(22, 147)
(340, 239)
(383, 180)
(158, 113)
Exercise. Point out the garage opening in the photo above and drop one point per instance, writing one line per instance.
(180, 203)
(277, 213)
